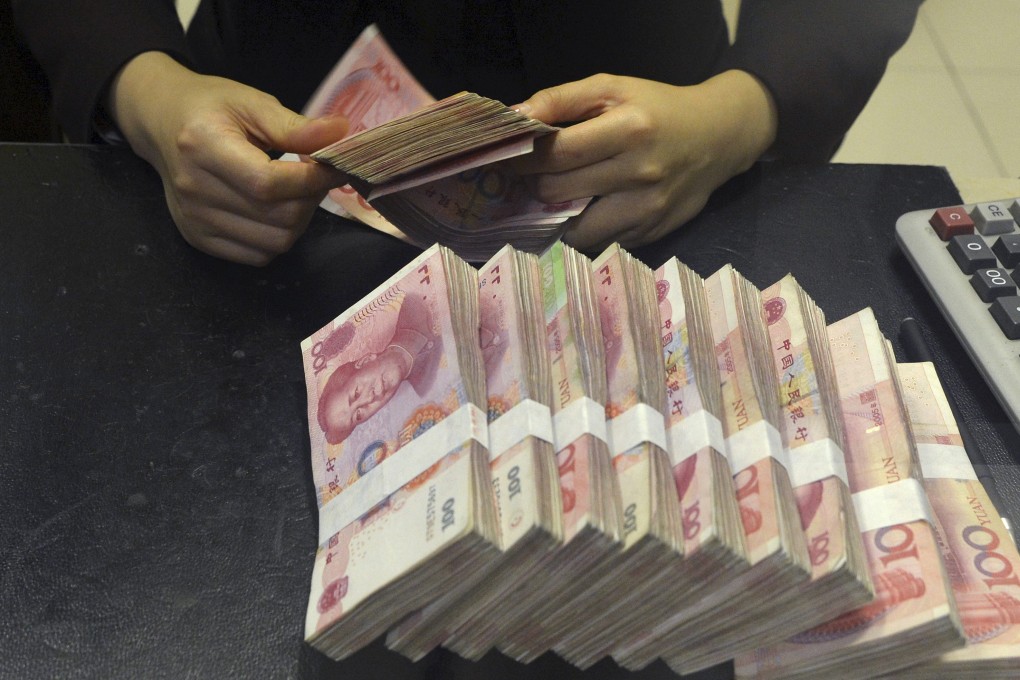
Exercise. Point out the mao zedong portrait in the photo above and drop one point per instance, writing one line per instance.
(358, 389)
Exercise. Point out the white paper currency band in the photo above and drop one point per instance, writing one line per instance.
(816, 460)
(694, 433)
(414, 458)
(897, 503)
(527, 418)
(945, 461)
(581, 416)
(640, 423)
(755, 443)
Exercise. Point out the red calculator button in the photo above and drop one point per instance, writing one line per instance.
(950, 222)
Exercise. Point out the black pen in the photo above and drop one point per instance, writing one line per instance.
(917, 350)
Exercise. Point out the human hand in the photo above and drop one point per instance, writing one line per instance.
(652, 153)
(208, 137)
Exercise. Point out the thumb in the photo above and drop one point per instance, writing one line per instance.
(572, 102)
(284, 130)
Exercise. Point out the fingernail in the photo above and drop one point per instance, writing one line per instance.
(523, 109)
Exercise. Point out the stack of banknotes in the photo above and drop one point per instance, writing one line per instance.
(554, 453)
(430, 171)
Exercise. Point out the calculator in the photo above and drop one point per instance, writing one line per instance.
(968, 257)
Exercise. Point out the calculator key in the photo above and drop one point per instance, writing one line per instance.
(1007, 249)
(992, 218)
(971, 253)
(992, 283)
(949, 222)
(1006, 311)
(1014, 210)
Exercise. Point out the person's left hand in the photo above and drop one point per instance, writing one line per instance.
(651, 153)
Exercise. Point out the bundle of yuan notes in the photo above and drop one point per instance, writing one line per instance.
(590, 494)
(980, 557)
(525, 479)
(428, 170)
(651, 528)
(776, 550)
(713, 548)
(667, 467)
(913, 616)
(399, 456)
(812, 431)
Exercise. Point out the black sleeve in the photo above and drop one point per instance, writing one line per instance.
(821, 60)
(81, 44)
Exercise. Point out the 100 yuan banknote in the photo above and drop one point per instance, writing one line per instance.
(369, 86)
(390, 420)
(981, 559)
(695, 433)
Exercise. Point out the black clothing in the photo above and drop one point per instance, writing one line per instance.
(821, 59)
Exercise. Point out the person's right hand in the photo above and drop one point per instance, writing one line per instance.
(208, 137)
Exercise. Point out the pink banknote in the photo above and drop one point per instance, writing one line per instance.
(369, 85)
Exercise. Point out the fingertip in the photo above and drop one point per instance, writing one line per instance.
(524, 108)
(327, 177)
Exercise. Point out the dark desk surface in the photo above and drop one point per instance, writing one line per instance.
(157, 517)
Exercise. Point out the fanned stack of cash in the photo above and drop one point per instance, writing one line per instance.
(430, 170)
(683, 469)
(397, 436)
(776, 548)
(981, 559)
(813, 430)
(588, 485)
(525, 477)
(368, 86)
(428, 137)
(913, 616)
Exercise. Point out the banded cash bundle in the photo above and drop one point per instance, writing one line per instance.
(913, 616)
(714, 548)
(652, 527)
(813, 433)
(776, 548)
(429, 170)
(588, 485)
(981, 559)
(401, 470)
(525, 477)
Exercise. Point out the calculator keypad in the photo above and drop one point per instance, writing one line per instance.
(968, 235)
(968, 258)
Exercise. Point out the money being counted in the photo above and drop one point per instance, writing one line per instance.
(524, 471)
(913, 616)
(982, 562)
(399, 457)
(369, 86)
(429, 171)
